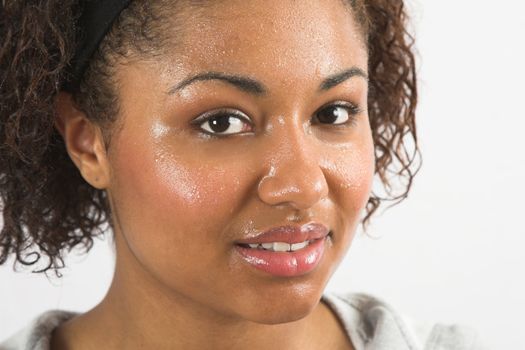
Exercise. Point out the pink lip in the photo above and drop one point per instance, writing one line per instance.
(286, 264)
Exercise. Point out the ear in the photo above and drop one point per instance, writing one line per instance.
(83, 140)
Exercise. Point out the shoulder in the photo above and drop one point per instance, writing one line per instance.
(372, 323)
(37, 334)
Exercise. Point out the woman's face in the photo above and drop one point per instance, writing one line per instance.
(288, 144)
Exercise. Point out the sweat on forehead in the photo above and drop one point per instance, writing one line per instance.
(98, 16)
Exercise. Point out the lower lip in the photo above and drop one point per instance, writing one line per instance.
(285, 264)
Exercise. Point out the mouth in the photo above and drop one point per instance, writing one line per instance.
(296, 253)
(279, 246)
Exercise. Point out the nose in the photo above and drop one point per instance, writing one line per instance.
(294, 175)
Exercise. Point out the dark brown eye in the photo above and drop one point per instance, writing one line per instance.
(335, 114)
(224, 124)
(219, 124)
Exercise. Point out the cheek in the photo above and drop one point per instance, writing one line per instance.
(195, 184)
(168, 202)
(351, 168)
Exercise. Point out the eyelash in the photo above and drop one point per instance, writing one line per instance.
(352, 109)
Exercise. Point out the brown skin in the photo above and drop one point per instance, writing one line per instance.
(181, 199)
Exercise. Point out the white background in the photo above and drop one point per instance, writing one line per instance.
(455, 250)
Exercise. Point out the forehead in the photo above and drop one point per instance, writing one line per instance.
(278, 38)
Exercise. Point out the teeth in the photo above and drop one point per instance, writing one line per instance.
(268, 246)
(280, 246)
(297, 246)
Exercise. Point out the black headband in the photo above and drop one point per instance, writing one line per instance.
(96, 18)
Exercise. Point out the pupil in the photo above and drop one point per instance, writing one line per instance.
(329, 115)
(220, 124)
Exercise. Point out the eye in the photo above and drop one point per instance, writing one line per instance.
(338, 113)
(223, 122)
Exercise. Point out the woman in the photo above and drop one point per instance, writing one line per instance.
(229, 145)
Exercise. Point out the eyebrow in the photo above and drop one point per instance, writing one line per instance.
(338, 78)
(257, 88)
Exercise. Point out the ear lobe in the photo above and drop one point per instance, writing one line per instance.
(84, 141)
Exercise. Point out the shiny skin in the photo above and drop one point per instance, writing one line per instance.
(181, 197)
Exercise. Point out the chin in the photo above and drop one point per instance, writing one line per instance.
(283, 311)
(277, 317)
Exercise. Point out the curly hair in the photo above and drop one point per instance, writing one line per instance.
(49, 209)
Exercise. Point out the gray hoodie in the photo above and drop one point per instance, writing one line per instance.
(370, 323)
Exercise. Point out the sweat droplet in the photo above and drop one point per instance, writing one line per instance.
(272, 171)
(158, 130)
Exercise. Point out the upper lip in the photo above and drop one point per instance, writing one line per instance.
(288, 234)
